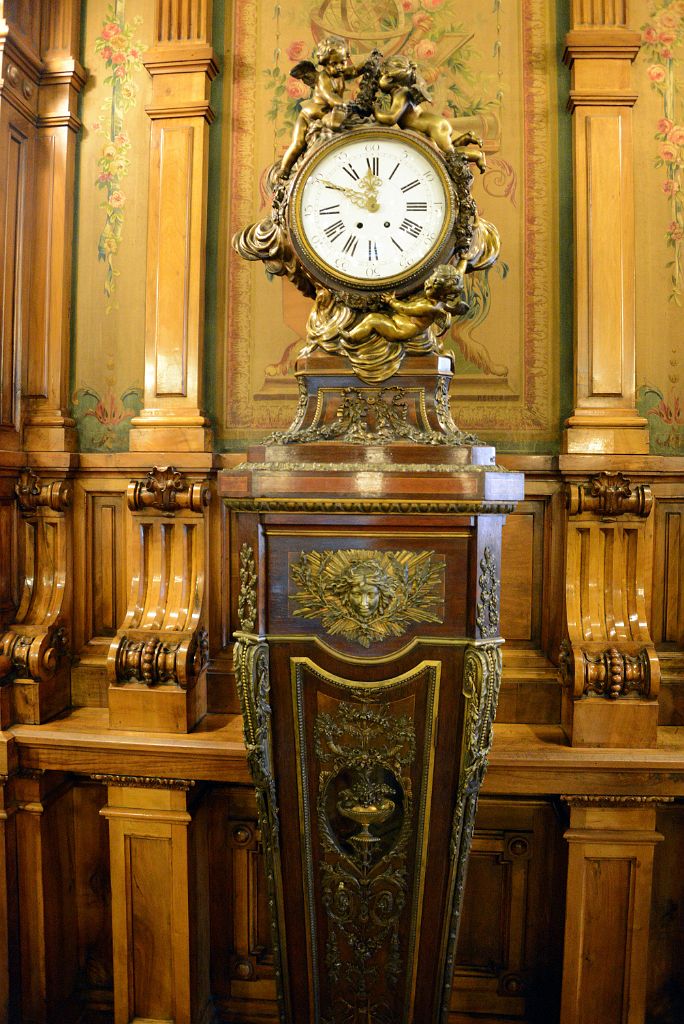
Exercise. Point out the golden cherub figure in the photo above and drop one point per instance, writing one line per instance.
(419, 315)
(400, 79)
(327, 77)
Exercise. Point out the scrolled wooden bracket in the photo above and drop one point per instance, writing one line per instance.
(164, 489)
(33, 655)
(154, 661)
(32, 494)
(609, 673)
(609, 494)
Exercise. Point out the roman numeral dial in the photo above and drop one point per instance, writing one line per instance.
(371, 208)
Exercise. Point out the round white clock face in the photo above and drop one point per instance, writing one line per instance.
(372, 209)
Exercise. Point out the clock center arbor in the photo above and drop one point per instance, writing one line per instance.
(366, 551)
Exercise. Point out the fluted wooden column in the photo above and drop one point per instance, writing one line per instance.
(600, 49)
(182, 65)
(47, 424)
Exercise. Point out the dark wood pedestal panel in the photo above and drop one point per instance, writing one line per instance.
(368, 663)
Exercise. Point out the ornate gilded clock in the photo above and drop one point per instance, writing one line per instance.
(372, 209)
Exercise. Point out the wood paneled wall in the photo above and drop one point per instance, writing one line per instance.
(131, 879)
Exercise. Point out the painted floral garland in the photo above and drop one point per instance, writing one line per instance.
(662, 35)
(122, 58)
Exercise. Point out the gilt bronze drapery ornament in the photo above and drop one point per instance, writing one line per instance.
(372, 214)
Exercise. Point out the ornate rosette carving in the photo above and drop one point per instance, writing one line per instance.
(32, 494)
(165, 489)
(609, 494)
(144, 781)
(368, 596)
(487, 611)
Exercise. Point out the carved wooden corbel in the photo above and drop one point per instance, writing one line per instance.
(609, 494)
(33, 650)
(157, 660)
(608, 663)
(164, 489)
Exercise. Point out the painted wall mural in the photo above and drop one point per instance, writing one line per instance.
(493, 68)
(109, 324)
(659, 167)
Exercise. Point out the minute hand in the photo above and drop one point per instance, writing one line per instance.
(357, 198)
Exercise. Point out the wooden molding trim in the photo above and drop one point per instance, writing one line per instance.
(204, 110)
(144, 781)
(578, 98)
(576, 800)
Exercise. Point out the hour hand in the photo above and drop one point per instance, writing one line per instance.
(356, 197)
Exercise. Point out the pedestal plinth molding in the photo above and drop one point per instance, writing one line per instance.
(157, 661)
(36, 643)
(608, 664)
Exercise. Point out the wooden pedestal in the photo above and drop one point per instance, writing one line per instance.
(368, 663)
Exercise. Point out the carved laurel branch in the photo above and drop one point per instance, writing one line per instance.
(610, 673)
(251, 662)
(247, 598)
(155, 661)
(609, 494)
(165, 489)
(32, 494)
(602, 800)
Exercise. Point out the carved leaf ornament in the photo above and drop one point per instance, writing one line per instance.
(368, 596)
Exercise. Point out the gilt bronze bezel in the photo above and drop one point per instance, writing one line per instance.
(441, 251)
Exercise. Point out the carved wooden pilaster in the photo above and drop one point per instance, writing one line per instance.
(36, 643)
(182, 65)
(157, 660)
(20, 69)
(610, 870)
(47, 425)
(600, 50)
(608, 663)
(9, 923)
(48, 926)
(160, 913)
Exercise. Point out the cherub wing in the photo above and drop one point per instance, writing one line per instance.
(420, 91)
(305, 71)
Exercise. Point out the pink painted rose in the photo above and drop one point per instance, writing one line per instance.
(96, 126)
(103, 178)
(665, 125)
(676, 135)
(422, 22)
(668, 152)
(109, 30)
(671, 187)
(297, 50)
(676, 231)
(296, 89)
(120, 71)
(657, 73)
(666, 53)
(117, 198)
(432, 5)
(119, 57)
(667, 37)
(121, 139)
(650, 35)
(668, 20)
(135, 54)
(409, 6)
(425, 49)
(107, 52)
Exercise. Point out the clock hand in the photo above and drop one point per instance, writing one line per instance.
(366, 202)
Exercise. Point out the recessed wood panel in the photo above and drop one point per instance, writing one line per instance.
(12, 270)
(607, 898)
(667, 623)
(149, 873)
